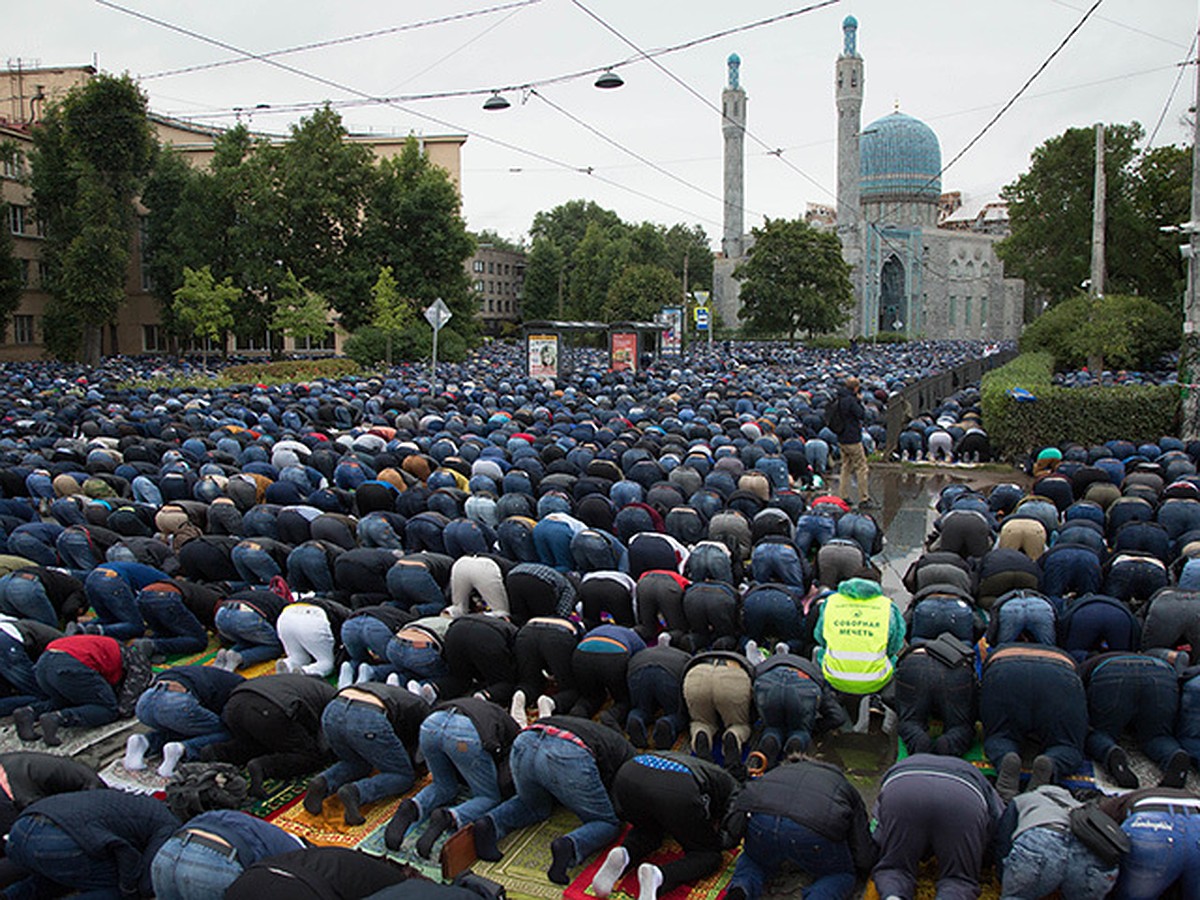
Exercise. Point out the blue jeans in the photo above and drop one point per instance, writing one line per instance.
(553, 542)
(1031, 615)
(363, 740)
(115, 604)
(1166, 849)
(816, 451)
(179, 716)
(415, 589)
(24, 597)
(1036, 699)
(1135, 692)
(366, 640)
(39, 846)
(175, 628)
(308, 569)
(787, 702)
(777, 561)
(411, 661)
(251, 634)
(771, 610)
(376, 531)
(33, 546)
(1043, 860)
(812, 529)
(547, 768)
(254, 565)
(652, 688)
(17, 669)
(76, 551)
(453, 750)
(80, 694)
(934, 615)
(710, 562)
(182, 870)
(1188, 728)
(773, 840)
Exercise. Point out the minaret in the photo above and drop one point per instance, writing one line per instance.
(849, 95)
(733, 126)
(849, 107)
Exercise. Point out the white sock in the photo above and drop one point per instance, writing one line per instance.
(414, 687)
(172, 754)
(517, 709)
(429, 692)
(135, 752)
(345, 675)
(610, 873)
(394, 679)
(545, 706)
(283, 667)
(753, 654)
(781, 647)
(650, 879)
(664, 640)
(365, 673)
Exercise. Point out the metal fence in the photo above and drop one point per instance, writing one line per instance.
(926, 394)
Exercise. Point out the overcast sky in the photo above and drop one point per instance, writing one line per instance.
(654, 146)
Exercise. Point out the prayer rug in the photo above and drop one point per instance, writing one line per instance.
(627, 888)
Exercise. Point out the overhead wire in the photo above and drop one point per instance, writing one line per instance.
(1170, 98)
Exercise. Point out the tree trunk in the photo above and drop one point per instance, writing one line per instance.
(93, 336)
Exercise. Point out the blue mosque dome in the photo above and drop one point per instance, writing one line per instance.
(900, 160)
(849, 22)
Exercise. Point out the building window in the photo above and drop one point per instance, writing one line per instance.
(491, 305)
(953, 312)
(23, 329)
(12, 167)
(491, 268)
(491, 287)
(254, 342)
(154, 339)
(43, 275)
(477, 266)
(967, 311)
(308, 344)
(16, 219)
(25, 273)
(479, 286)
(983, 311)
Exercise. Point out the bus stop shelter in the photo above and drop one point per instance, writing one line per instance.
(552, 346)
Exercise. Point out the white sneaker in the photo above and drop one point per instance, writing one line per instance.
(753, 654)
(545, 706)
(345, 675)
(135, 752)
(610, 873)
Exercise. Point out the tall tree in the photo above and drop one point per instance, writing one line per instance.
(545, 278)
(91, 154)
(640, 292)
(392, 313)
(595, 265)
(1050, 212)
(203, 307)
(413, 224)
(690, 244)
(300, 312)
(488, 237)
(795, 279)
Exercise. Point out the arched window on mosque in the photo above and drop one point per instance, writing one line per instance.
(954, 270)
(970, 270)
(985, 271)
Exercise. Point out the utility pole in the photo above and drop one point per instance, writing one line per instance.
(561, 273)
(685, 290)
(1189, 362)
(1099, 196)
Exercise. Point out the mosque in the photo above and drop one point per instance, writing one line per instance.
(910, 274)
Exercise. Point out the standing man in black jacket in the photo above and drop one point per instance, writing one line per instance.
(805, 813)
(566, 759)
(854, 459)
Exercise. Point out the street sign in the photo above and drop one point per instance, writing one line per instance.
(702, 318)
(701, 297)
(437, 314)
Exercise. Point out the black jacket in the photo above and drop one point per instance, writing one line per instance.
(208, 684)
(32, 776)
(853, 416)
(815, 795)
(302, 697)
(127, 828)
(496, 729)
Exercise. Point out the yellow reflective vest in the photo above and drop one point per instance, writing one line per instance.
(855, 635)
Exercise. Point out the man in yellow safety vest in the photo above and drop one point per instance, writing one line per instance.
(860, 633)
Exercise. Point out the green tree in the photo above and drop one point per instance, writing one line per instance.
(795, 279)
(640, 292)
(690, 244)
(413, 224)
(490, 238)
(203, 307)
(596, 263)
(300, 312)
(1050, 212)
(1115, 331)
(545, 277)
(393, 314)
(91, 154)
(11, 280)
(566, 225)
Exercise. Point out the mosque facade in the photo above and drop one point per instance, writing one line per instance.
(909, 274)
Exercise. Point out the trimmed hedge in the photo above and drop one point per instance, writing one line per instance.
(1060, 415)
(291, 370)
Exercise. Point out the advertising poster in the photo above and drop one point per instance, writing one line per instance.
(543, 356)
(672, 335)
(624, 351)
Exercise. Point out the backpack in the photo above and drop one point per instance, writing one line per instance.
(198, 787)
(833, 416)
